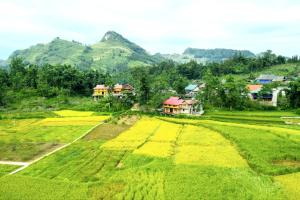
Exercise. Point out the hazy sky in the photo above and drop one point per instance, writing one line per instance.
(166, 26)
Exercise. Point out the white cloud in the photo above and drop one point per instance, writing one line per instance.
(157, 25)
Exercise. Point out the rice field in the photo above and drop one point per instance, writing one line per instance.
(290, 183)
(6, 169)
(213, 150)
(160, 158)
(26, 139)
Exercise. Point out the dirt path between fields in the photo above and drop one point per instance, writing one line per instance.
(13, 163)
(26, 164)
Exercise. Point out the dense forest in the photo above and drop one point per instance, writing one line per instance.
(153, 84)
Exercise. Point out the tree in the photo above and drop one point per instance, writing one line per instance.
(293, 94)
(234, 94)
(266, 91)
(17, 73)
(179, 85)
(3, 85)
(210, 95)
(143, 84)
(229, 93)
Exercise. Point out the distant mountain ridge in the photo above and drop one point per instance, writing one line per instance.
(207, 55)
(217, 54)
(112, 53)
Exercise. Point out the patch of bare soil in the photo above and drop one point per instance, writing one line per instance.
(128, 120)
(109, 131)
(287, 163)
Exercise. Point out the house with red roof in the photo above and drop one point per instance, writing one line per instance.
(176, 105)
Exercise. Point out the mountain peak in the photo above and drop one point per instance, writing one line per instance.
(112, 35)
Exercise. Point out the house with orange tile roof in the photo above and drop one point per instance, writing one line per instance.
(254, 90)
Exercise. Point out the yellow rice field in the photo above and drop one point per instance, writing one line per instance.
(167, 132)
(16, 124)
(211, 149)
(156, 149)
(76, 121)
(196, 135)
(135, 136)
(290, 183)
(162, 143)
(190, 144)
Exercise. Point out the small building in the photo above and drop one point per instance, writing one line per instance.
(202, 86)
(265, 79)
(117, 89)
(191, 90)
(188, 106)
(128, 88)
(100, 91)
(254, 90)
(268, 98)
(176, 105)
(120, 89)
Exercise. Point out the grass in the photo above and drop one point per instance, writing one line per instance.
(72, 113)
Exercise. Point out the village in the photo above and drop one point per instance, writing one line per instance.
(188, 104)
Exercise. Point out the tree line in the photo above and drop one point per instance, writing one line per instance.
(152, 84)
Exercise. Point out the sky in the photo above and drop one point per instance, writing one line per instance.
(165, 26)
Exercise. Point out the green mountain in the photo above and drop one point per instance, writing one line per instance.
(206, 55)
(112, 53)
(115, 50)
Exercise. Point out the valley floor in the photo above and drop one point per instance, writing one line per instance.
(224, 155)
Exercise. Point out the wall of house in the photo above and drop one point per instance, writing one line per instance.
(186, 109)
(100, 92)
(172, 109)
